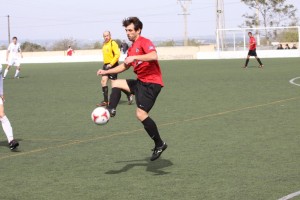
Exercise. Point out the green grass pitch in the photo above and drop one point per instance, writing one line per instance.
(232, 134)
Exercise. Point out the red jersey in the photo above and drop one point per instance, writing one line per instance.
(148, 72)
(252, 43)
(70, 52)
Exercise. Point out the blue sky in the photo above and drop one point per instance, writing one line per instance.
(57, 19)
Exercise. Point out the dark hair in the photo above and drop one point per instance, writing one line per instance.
(250, 33)
(135, 21)
(15, 38)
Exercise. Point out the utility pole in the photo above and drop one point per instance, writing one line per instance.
(8, 28)
(185, 6)
(220, 23)
(257, 23)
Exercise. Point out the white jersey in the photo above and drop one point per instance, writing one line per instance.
(14, 50)
(1, 83)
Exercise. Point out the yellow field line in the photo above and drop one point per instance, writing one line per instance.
(137, 130)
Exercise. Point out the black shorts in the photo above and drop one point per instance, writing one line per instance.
(111, 76)
(252, 53)
(145, 93)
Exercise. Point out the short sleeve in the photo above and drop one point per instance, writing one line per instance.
(148, 46)
(9, 47)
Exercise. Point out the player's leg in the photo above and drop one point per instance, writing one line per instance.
(145, 98)
(6, 70)
(259, 61)
(104, 80)
(115, 96)
(18, 69)
(7, 128)
(247, 61)
(129, 96)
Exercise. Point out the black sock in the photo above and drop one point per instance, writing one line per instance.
(152, 131)
(127, 93)
(247, 61)
(115, 97)
(105, 93)
(258, 60)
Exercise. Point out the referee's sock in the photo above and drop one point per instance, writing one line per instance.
(152, 131)
(258, 60)
(247, 61)
(105, 93)
(115, 97)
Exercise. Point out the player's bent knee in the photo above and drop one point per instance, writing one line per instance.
(103, 82)
(141, 114)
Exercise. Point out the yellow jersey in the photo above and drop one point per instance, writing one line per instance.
(111, 52)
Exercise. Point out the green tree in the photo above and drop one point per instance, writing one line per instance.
(194, 42)
(97, 45)
(271, 13)
(288, 36)
(62, 45)
(167, 43)
(3, 47)
(31, 47)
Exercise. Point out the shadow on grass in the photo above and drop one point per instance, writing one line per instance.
(157, 167)
(5, 144)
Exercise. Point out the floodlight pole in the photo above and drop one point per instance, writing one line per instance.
(8, 28)
(184, 5)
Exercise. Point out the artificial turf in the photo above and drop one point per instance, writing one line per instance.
(232, 134)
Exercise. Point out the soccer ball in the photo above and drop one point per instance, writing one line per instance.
(100, 116)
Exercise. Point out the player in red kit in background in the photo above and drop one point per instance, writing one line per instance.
(252, 51)
(70, 51)
(142, 56)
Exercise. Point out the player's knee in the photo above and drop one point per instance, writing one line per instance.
(115, 83)
(103, 82)
(2, 114)
(141, 115)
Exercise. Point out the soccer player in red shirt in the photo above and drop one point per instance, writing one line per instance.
(70, 51)
(252, 51)
(142, 56)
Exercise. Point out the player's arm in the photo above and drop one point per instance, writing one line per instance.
(121, 68)
(151, 56)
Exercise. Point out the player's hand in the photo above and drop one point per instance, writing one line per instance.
(101, 72)
(129, 60)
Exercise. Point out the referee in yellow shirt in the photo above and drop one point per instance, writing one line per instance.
(111, 55)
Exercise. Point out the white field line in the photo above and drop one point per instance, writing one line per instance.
(292, 81)
(290, 196)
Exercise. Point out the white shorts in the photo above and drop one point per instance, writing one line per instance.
(14, 62)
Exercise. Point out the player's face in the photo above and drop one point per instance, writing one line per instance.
(249, 34)
(131, 33)
(106, 36)
(15, 41)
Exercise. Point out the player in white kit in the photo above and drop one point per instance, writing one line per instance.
(4, 120)
(12, 57)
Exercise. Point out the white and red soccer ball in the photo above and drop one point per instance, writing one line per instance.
(100, 116)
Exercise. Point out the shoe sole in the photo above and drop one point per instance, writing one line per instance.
(163, 149)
